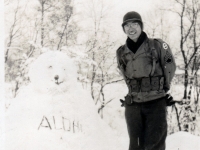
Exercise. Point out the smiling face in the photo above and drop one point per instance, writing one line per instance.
(53, 72)
(132, 30)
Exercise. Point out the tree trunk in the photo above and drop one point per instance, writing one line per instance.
(7, 50)
(42, 24)
(93, 68)
(92, 82)
(185, 83)
(177, 117)
(62, 35)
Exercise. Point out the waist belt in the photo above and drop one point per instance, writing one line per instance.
(146, 84)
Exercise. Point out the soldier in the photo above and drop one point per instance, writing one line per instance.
(148, 67)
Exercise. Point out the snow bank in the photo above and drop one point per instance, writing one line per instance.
(183, 141)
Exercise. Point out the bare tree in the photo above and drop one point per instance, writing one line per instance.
(15, 29)
(96, 11)
(105, 72)
(194, 13)
(158, 26)
(45, 6)
(188, 18)
(57, 29)
(189, 47)
(67, 15)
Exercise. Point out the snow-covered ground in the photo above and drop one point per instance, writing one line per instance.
(182, 141)
(113, 115)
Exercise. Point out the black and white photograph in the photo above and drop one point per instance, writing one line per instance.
(100, 75)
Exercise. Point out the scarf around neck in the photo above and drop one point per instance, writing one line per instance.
(133, 46)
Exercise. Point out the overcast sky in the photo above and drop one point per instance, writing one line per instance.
(116, 9)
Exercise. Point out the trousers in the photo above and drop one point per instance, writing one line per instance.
(147, 125)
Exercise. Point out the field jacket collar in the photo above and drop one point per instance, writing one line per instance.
(143, 47)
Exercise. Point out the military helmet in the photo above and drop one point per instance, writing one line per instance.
(132, 16)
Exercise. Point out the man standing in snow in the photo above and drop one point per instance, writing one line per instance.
(148, 67)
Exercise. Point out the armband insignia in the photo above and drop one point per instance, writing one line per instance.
(165, 46)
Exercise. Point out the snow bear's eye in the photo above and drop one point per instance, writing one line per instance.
(50, 67)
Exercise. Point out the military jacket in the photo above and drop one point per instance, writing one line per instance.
(147, 63)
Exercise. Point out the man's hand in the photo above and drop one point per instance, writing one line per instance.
(169, 100)
(122, 101)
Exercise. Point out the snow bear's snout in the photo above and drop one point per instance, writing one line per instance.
(56, 77)
(57, 81)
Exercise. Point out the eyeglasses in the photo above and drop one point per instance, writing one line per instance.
(131, 24)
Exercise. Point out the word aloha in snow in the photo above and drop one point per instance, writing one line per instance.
(60, 124)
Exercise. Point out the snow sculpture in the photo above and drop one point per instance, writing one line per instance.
(54, 112)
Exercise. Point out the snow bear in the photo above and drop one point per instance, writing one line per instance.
(54, 112)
